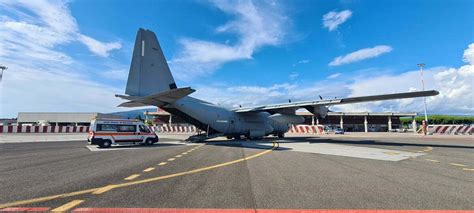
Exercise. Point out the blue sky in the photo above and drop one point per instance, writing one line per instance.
(73, 56)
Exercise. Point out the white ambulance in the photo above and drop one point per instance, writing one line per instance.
(107, 132)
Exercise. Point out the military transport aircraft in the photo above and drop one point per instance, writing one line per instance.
(150, 82)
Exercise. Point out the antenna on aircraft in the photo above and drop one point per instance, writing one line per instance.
(289, 100)
(320, 97)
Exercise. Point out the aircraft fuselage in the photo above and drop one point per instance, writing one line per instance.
(225, 121)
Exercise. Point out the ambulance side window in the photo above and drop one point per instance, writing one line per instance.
(106, 127)
(127, 128)
(143, 128)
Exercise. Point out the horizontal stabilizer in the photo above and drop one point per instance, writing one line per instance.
(131, 104)
(159, 99)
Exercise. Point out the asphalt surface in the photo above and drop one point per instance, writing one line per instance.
(442, 178)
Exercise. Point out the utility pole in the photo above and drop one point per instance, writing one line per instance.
(2, 68)
(421, 66)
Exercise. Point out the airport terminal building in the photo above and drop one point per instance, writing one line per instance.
(60, 118)
(349, 121)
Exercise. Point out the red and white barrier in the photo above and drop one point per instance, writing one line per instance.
(43, 129)
(185, 129)
(306, 129)
(451, 129)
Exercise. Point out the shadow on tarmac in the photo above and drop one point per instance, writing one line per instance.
(266, 143)
(140, 146)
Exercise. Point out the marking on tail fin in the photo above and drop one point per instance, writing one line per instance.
(143, 47)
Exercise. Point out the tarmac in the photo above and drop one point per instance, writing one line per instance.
(387, 171)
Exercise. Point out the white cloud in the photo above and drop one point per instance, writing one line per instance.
(360, 55)
(305, 61)
(335, 75)
(256, 24)
(41, 75)
(293, 75)
(41, 27)
(121, 74)
(455, 87)
(333, 19)
(469, 54)
(97, 47)
(27, 89)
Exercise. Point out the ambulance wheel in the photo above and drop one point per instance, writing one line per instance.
(105, 144)
(149, 142)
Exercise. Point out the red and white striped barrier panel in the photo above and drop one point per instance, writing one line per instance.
(43, 129)
(294, 129)
(185, 129)
(451, 129)
(306, 129)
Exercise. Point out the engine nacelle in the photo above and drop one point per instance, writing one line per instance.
(287, 119)
(320, 111)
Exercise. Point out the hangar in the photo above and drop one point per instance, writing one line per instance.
(349, 121)
(60, 118)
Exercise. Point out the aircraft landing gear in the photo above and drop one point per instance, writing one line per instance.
(281, 135)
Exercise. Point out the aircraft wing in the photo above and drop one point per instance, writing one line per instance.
(307, 104)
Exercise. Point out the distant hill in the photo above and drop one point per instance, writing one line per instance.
(133, 113)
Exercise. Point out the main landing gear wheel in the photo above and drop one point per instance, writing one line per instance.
(281, 135)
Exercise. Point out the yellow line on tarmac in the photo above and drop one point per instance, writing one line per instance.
(162, 163)
(457, 164)
(149, 169)
(171, 159)
(178, 156)
(67, 206)
(184, 153)
(432, 160)
(131, 177)
(466, 169)
(104, 189)
(86, 191)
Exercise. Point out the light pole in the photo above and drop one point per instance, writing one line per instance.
(3, 68)
(421, 66)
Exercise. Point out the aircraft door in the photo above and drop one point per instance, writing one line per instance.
(231, 127)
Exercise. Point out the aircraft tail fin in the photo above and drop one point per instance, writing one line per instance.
(149, 72)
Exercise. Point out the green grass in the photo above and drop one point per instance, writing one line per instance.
(441, 119)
